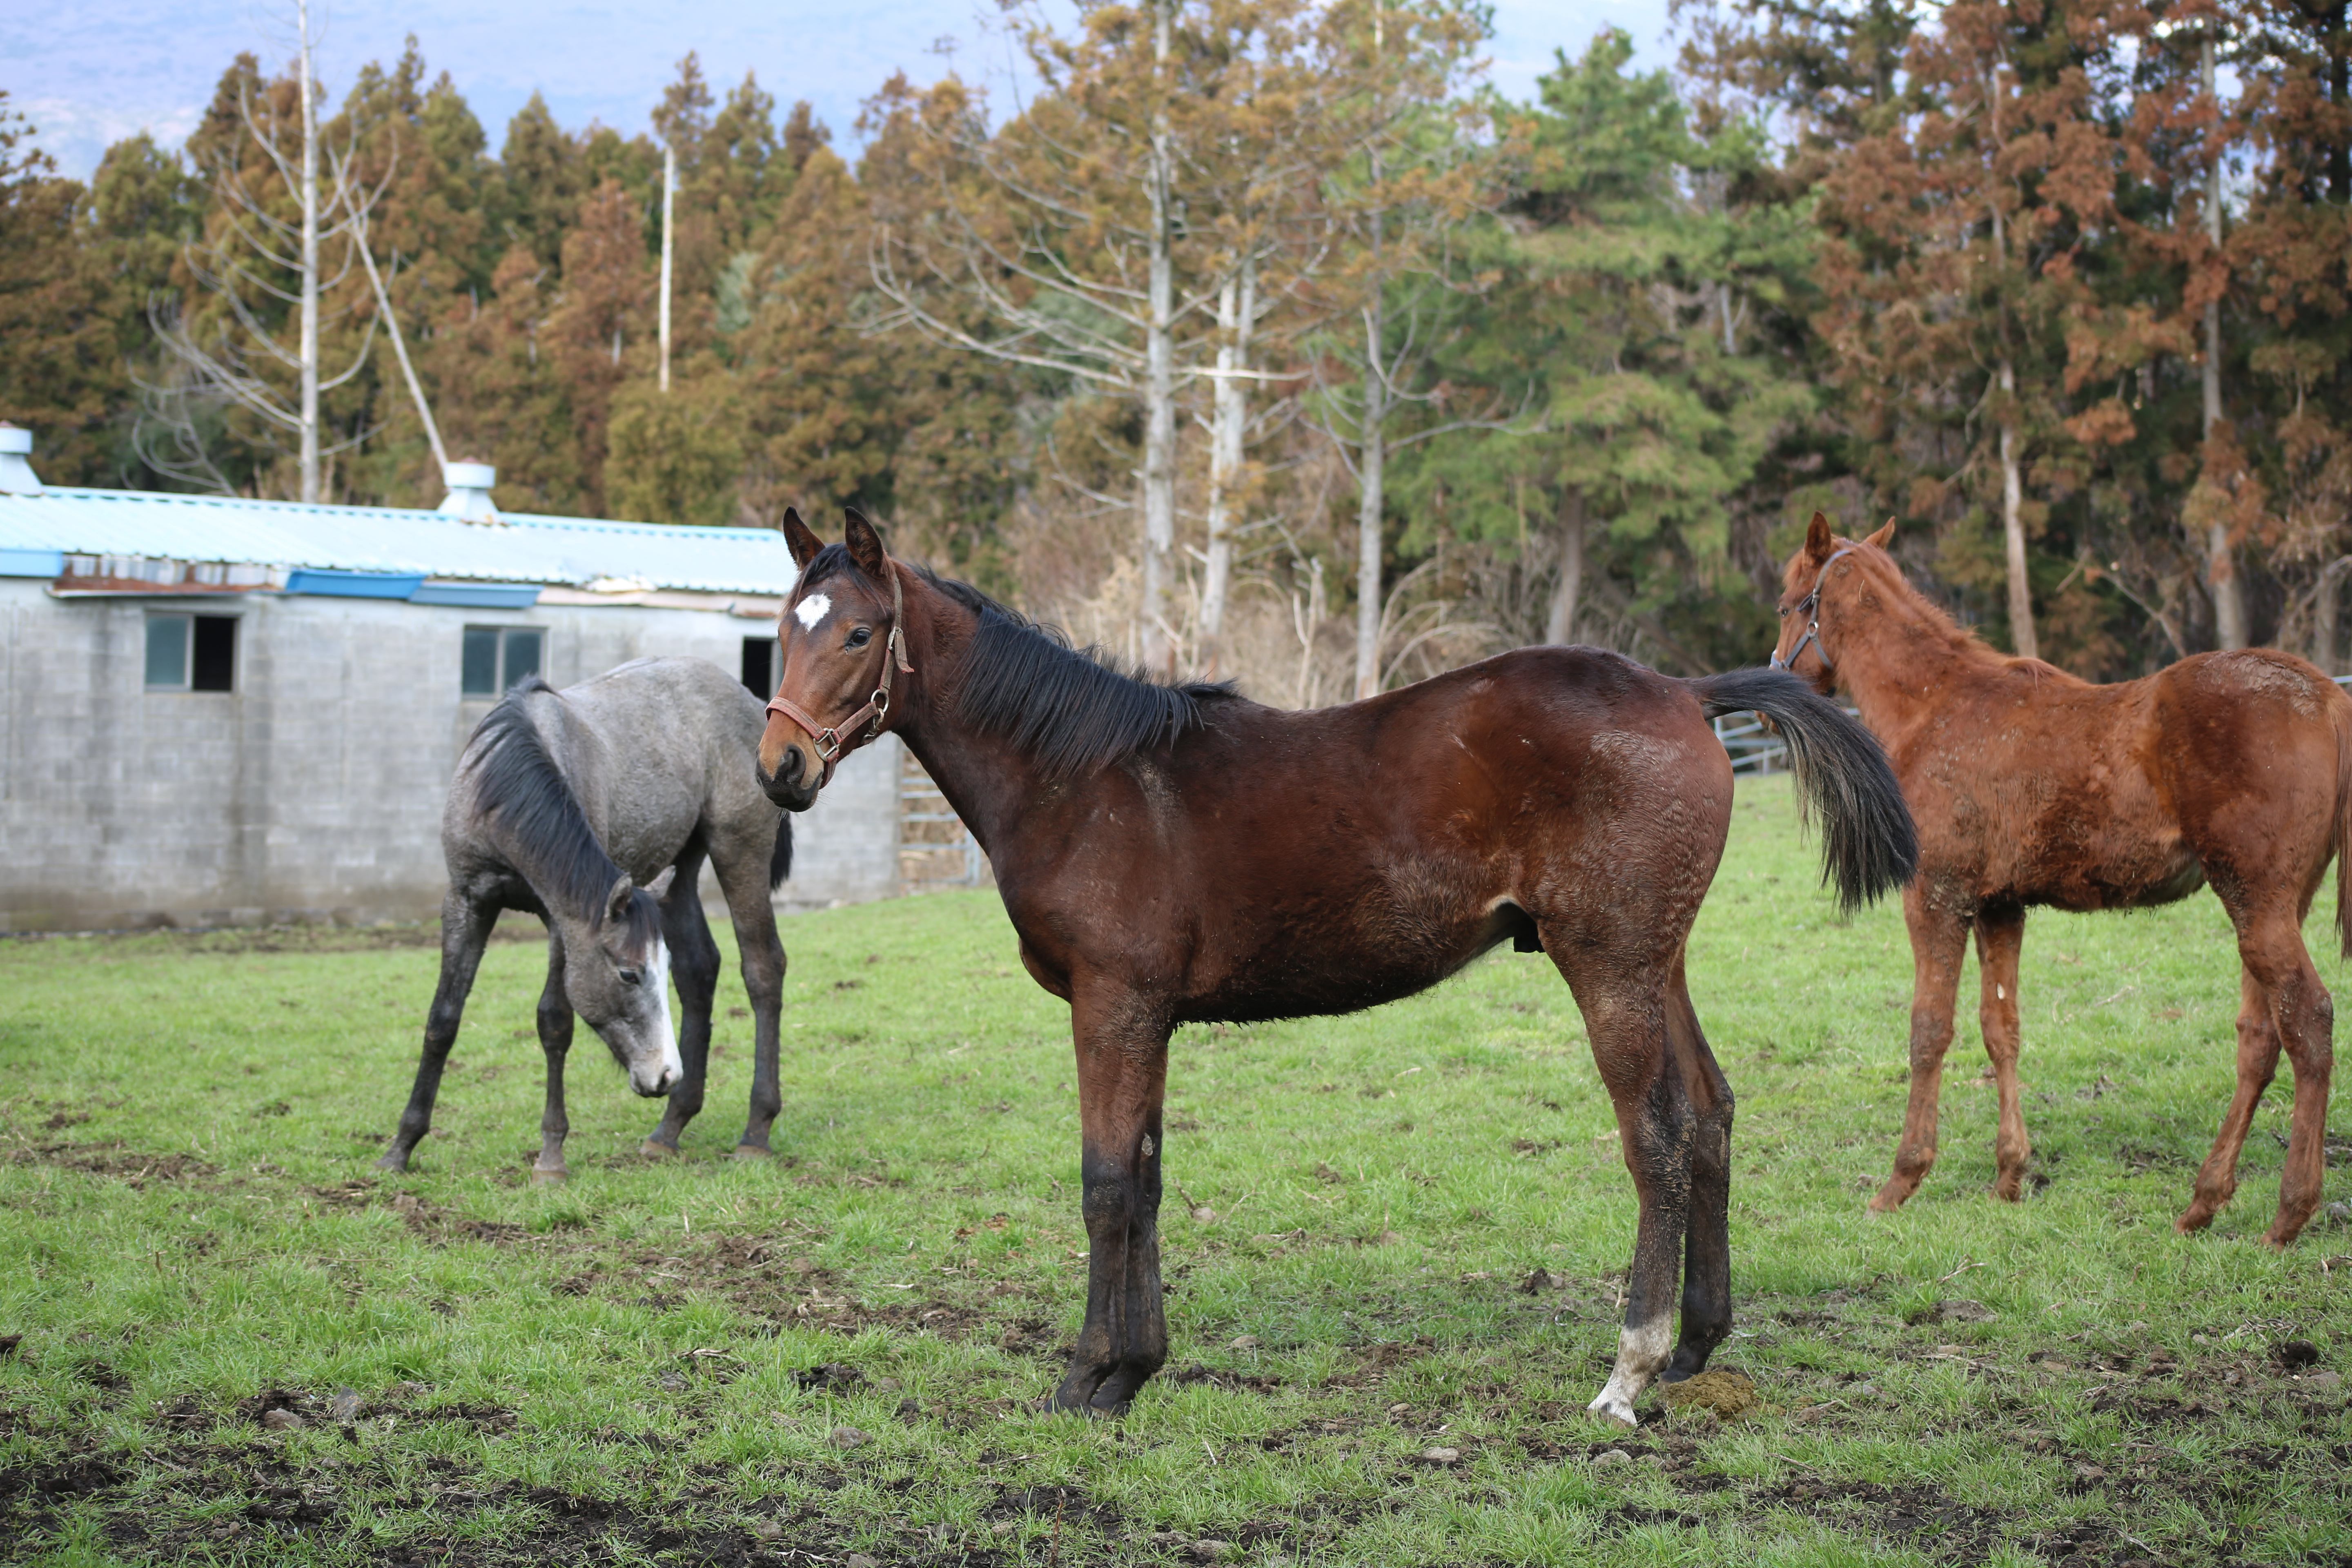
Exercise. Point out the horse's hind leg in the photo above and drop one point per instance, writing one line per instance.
(1123, 1079)
(694, 966)
(1939, 941)
(2258, 1055)
(2283, 1005)
(2000, 935)
(1625, 1014)
(464, 932)
(555, 1040)
(1707, 1257)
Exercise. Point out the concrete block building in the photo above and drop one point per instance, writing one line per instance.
(219, 711)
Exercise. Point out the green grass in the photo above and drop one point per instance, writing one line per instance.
(193, 1234)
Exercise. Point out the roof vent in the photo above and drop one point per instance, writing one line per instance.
(468, 501)
(16, 476)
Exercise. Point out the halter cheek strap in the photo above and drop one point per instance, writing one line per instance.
(1810, 608)
(830, 745)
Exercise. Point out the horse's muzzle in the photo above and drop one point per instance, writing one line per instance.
(794, 780)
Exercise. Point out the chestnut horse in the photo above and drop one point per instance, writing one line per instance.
(2032, 787)
(1179, 854)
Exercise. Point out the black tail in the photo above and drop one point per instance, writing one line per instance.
(780, 862)
(1870, 844)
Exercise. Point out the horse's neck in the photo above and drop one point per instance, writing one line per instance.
(1898, 660)
(985, 778)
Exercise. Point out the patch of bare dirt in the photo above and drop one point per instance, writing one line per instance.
(117, 1160)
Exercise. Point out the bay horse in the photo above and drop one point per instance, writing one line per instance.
(2032, 787)
(1175, 854)
(593, 808)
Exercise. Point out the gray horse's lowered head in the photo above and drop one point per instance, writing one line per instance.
(617, 974)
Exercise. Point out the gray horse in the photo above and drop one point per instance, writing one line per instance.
(593, 808)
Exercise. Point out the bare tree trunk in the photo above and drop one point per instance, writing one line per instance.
(2325, 616)
(2221, 566)
(2012, 529)
(307, 352)
(669, 228)
(399, 349)
(1561, 623)
(1371, 462)
(1158, 384)
(1236, 309)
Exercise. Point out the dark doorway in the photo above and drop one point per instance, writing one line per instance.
(760, 666)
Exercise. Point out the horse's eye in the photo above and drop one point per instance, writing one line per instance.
(631, 977)
(860, 637)
(1784, 612)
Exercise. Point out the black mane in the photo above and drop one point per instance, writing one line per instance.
(518, 785)
(1069, 710)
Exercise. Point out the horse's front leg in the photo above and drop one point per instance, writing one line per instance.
(1939, 941)
(464, 932)
(2000, 936)
(694, 967)
(1123, 1079)
(761, 955)
(555, 1018)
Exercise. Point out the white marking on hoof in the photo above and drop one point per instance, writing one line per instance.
(813, 609)
(1641, 1354)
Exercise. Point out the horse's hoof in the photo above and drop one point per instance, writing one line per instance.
(752, 1152)
(540, 1177)
(655, 1148)
(393, 1163)
(1882, 1202)
(2194, 1219)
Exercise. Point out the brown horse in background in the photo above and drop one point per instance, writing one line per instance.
(1179, 854)
(2030, 786)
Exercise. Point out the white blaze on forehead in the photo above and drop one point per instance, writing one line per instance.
(813, 609)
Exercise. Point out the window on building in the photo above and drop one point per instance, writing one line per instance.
(760, 666)
(191, 653)
(496, 657)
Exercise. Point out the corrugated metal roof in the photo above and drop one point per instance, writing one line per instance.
(518, 549)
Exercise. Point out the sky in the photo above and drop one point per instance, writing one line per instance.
(102, 69)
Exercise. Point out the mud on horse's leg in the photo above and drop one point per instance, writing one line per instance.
(465, 931)
(1123, 1079)
(694, 966)
(2000, 935)
(1706, 1261)
(1939, 940)
(555, 1020)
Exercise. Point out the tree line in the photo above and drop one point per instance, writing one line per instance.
(1262, 339)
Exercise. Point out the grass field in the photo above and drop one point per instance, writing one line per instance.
(1400, 1234)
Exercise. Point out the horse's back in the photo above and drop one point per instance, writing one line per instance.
(1411, 830)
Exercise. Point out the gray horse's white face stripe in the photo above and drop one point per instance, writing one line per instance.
(813, 609)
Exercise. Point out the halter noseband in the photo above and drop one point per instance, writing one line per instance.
(1810, 608)
(830, 746)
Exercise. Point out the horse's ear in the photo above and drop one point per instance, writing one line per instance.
(1884, 537)
(865, 544)
(799, 539)
(1819, 540)
(616, 902)
(659, 886)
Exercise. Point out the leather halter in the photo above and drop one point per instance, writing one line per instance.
(1810, 608)
(830, 745)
